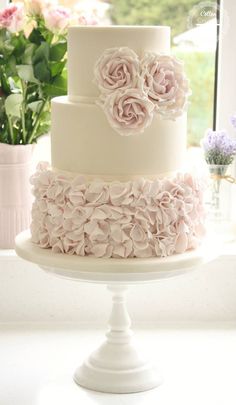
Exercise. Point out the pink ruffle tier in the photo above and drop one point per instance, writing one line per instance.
(138, 218)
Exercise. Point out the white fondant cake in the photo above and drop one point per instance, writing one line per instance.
(118, 141)
(83, 142)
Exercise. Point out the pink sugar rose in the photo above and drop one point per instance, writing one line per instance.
(57, 19)
(165, 84)
(128, 111)
(12, 18)
(117, 68)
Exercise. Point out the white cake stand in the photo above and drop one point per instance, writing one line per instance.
(117, 366)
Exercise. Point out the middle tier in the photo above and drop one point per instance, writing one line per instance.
(84, 142)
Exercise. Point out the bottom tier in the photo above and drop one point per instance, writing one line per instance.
(138, 218)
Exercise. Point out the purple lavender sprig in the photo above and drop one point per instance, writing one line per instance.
(218, 147)
(233, 120)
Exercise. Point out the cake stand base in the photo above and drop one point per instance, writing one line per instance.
(117, 366)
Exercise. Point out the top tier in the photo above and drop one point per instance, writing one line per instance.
(86, 44)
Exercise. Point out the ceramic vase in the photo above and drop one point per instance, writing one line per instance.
(15, 191)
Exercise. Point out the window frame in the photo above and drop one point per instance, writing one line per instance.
(226, 81)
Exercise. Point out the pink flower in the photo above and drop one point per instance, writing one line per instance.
(12, 18)
(165, 84)
(128, 111)
(84, 14)
(36, 7)
(87, 20)
(57, 19)
(117, 68)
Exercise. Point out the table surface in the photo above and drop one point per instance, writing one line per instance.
(100, 270)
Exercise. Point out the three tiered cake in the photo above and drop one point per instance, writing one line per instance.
(116, 186)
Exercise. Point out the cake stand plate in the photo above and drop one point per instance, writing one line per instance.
(117, 366)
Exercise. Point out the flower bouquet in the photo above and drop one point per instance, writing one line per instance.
(32, 68)
(33, 49)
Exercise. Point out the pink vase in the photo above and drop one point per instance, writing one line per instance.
(15, 191)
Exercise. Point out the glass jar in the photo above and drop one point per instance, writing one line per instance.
(218, 197)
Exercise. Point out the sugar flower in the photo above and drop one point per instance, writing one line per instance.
(132, 90)
(117, 68)
(128, 111)
(165, 84)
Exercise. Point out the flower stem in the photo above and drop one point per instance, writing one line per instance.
(10, 129)
(37, 122)
(24, 90)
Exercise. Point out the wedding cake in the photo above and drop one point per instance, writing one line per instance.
(116, 186)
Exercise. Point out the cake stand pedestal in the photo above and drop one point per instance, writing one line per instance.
(117, 366)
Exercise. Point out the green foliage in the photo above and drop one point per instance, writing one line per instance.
(32, 71)
(36, 36)
(216, 157)
(199, 68)
(57, 51)
(13, 105)
(152, 12)
(57, 87)
(26, 73)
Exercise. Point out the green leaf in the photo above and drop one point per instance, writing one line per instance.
(36, 37)
(41, 53)
(2, 108)
(56, 68)
(35, 105)
(57, 88)
(42, 130)
(26, 73)
(10, 67)
(18, 42)
(5, 85)
(13, 104)
(7, 47)
(3, 32)
(46, 116)
(42, 72)
(13, 86)
(57, 51)
(28, 54)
